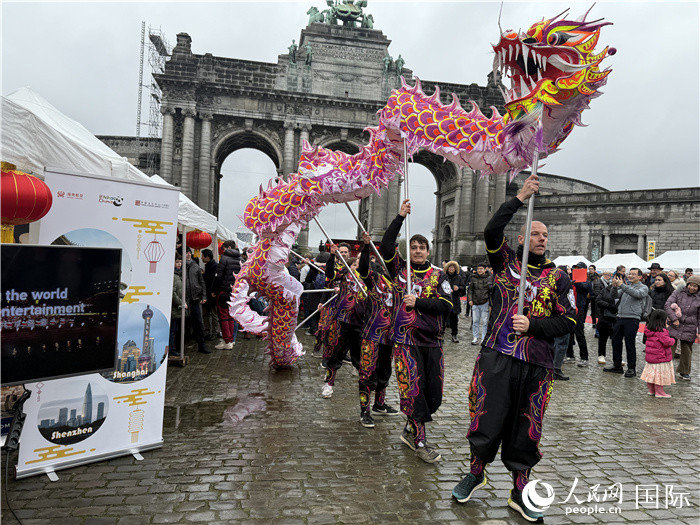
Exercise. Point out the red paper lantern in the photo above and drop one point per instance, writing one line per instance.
(23, 199)
(198, 240)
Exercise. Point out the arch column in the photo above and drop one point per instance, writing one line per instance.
(166, 144)
(288, 162)
(187, 178)
(204, 190)
(482, 203)
(500, 195)
(457, 226)
(641, 246)
(606, 244)
(303, 238)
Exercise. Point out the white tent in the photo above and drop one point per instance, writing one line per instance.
(570, 260)
(678, 260)
(35, 135)
(628, 260)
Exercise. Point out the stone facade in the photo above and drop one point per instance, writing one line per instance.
(213, 106)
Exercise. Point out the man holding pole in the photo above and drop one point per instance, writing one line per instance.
(349, 311)
(376, 350)
(417, 333)
(513, 376)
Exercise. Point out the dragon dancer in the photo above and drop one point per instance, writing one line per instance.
(513, 374)
(349, 312)
(375, 353)
(417, 333)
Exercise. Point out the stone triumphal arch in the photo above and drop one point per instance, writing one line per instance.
(326, 90)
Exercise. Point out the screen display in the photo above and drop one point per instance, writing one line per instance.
(60, 309)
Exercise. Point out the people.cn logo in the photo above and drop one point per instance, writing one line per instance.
(61, 194)
(534, 501)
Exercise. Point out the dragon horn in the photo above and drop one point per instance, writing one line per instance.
(583, 17)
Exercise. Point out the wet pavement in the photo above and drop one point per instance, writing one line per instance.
(245, 444)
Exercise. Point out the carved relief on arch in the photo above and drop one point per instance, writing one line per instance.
(175, 94)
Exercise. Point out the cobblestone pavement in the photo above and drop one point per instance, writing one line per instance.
(302, 459)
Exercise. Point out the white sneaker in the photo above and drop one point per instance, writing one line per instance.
(327, 391)
(225, 346)
(601, 359)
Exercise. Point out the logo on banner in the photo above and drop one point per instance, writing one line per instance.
(106, 199)
(69, 195)
(151, 204)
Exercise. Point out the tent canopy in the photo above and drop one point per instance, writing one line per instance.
(570, 260)
(678, 260)
(35, 135)
(628, 260)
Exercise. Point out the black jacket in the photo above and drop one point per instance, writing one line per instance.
(228, 267)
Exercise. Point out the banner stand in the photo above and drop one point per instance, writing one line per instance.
(83, 419)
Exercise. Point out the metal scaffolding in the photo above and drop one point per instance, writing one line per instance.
(158, 51)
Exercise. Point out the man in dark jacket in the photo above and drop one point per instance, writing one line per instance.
(458, 280)
(195, 295)
(224, 279)
(582, 293)
(417, 333)
(209, 309)
(513, 378)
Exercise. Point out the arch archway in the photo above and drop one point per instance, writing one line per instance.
(245, 140)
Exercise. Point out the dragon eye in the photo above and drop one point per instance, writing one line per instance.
(557, 39)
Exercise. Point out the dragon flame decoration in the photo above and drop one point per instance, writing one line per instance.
(554, 74)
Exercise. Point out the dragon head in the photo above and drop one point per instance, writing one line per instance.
(554, 72)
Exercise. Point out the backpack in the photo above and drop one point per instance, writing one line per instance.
(319, 281)
(646, 308)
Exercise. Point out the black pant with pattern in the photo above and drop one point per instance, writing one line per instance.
(507, 401)
(375, 372)
(350, 339)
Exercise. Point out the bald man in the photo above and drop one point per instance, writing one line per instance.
(513, 374)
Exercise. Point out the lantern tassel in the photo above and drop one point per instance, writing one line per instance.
(8, 234)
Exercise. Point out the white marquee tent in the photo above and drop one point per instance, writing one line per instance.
(678, 260)
(35, 136)
(613, 260)
(570, 260)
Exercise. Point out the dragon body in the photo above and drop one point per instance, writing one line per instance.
(554, 73)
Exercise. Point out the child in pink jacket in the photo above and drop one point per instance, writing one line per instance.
(658, 371)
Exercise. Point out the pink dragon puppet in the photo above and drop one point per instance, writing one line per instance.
(554, 73)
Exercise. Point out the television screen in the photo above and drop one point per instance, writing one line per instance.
(60, 309)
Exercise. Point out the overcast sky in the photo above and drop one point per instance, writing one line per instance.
(641, 134)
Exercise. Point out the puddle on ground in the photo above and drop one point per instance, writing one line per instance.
(203, 414)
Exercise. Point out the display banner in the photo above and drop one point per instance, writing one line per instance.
(82, 419)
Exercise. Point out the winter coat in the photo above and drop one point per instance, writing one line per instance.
(593, 280)
(678, 283)
(176, 309)
(226, 270)
(583, 290)
(606, 303)
(597, 285)
(479, 288)
(690, 314)
(631, 300)
(195, 282)
(658, 349)
(459, 280)
(658, 298)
